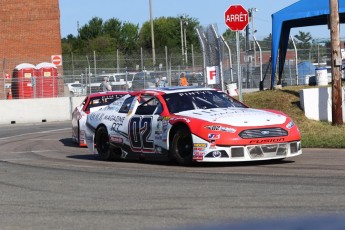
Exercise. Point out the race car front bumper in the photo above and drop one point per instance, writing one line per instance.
(246, 153)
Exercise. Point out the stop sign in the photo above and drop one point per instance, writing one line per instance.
(236, 17)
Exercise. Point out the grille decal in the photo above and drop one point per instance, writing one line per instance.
(263, 133)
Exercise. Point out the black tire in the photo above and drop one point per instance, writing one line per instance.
(182, 147)
(103, 144)
(278, 161)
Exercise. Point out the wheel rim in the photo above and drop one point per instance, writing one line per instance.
(184, 146)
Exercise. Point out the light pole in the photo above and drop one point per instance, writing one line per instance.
(185, 42)
(183, 25)
(152, 36)
(260, 59)
(251, 16)
(182, 39)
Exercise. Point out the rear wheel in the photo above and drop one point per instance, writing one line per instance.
(103, 144)
(182, 146)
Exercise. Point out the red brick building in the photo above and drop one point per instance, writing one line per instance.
(29, 33)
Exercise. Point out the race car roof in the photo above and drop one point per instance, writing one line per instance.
(176, 89)
(107, 93)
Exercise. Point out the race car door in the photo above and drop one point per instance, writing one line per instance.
(144, 128)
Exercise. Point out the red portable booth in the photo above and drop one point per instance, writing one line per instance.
(23, 81)
(46, 81)
(8, 86)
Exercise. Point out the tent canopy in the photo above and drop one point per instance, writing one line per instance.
(300, 14)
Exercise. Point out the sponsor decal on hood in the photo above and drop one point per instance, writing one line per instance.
(93, 109)
(237, 116)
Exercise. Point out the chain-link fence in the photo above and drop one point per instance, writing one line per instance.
(83, 74)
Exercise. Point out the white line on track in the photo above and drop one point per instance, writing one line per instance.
(36, 151)
(39, 139)
(24, 134)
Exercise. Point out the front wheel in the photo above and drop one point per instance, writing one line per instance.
(182, 147)
(103, 144)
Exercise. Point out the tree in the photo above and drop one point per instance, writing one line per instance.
(128, 39)
(303, 44)
(266, 43)
(72, 44)
(92, 30)
(102, 44)
(167, 31)
(68, 43)
(230, 38)
(112, 27)
(303, 40)
(103, 37)
(107, 36)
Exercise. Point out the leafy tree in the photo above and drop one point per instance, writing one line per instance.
(92, 30)
(103, 37)
(266, 42)
(68, 43)
(112, 27)
(303, 44)
(107, 36)
(145, 36)
(230, 38)
(303, 40)
(72, 44)
(167, 31)
(102, 44)
(128, 38)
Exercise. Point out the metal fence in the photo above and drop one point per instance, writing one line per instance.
(82, 74)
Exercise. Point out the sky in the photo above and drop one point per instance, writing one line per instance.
(74, 13)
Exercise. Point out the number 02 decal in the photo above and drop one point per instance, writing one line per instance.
(139, 130)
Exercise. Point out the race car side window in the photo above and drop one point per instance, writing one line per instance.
(126, 105)
(159, 108)
(148, 107)
(179, 102)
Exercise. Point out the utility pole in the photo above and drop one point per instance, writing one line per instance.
(185, 41)
(336, 63)
(251, 16)
(182, 18)
(248, 49)
(152, 36)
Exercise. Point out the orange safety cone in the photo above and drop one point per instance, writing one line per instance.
(9, 95)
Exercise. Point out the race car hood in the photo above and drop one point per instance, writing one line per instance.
(237, 116)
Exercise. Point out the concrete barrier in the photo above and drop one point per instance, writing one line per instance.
(38, 110)
(317, 103)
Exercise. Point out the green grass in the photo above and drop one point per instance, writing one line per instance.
(315, 134)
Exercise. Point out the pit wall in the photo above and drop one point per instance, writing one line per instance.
(317, 103)
(18, 111)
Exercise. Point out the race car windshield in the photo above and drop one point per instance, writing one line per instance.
(103, 100)
(207, 99)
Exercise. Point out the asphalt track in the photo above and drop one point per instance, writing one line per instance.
(47, 182)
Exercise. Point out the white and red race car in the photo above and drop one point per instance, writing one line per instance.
(91, 103)
(189, 125)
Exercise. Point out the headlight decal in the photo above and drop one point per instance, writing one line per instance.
(290, 125)
(220, 128)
